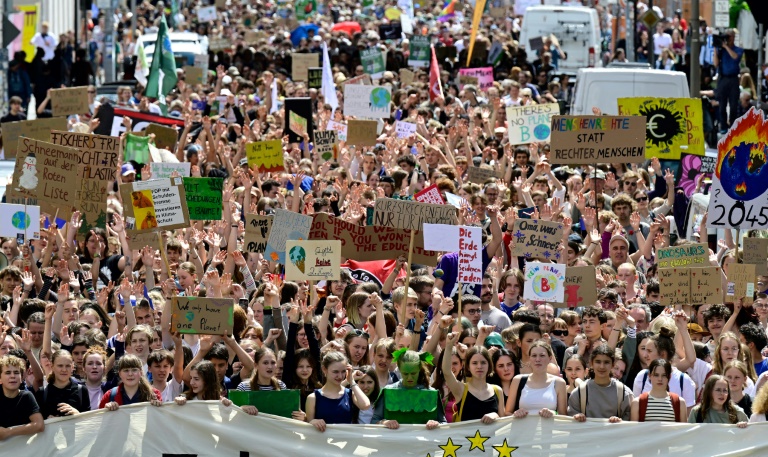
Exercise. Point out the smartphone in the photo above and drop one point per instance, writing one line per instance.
(243, 302)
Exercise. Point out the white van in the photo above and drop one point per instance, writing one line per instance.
(601, 87)
(576, 28)
(185, 46)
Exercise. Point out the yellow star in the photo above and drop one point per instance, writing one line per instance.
(449, 448)
(505, 450)
(478, 441)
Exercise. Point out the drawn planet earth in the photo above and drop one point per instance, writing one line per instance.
(297, 256)
(743, 173)
(541, 132)
(380, 98)
(20, 220)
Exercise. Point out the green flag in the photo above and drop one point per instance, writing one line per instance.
(136, 148)
(162, 73)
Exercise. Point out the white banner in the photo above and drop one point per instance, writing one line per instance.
(210, 429)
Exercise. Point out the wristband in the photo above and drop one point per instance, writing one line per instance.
(352, 384)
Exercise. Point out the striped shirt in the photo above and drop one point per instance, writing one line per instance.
(245, 386)
(659, 410)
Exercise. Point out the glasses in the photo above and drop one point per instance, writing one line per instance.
(642, 199)
(560, 332)
(357, 332)
(630, 183)
(761, 305)
(473, 311)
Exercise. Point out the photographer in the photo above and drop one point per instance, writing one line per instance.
(727, 59)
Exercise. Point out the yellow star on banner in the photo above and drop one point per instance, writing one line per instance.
(449, 448)
(478, 441)
(505, 450)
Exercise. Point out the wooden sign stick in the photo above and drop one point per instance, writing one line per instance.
(401, 317)
(164, 255)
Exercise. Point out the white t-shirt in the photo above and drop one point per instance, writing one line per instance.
(661, 41)
(172, 390)
(699, 374)
(47, 43)
(688, 392)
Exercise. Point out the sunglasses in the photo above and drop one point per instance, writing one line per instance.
(357, 332)
(642, 199)
(560, 332)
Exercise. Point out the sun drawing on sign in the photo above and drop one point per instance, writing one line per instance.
(664, 122)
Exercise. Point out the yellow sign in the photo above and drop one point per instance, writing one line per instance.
(265, 155)
(29, 29)
(673, 125)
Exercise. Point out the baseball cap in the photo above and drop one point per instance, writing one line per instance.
(696, 329)
(597, 174)
(127, 169)
(619, 238)
(494, 339)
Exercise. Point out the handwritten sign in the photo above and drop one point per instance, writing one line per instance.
(297, 123)
(38, 129)
(470, 258)
(535, 238)
(530, 123)
(430, 195)
(361, 133)
(193, 75)
(137, 241)
(688, 255)
(265, 155)
(411, 215)
(367, 101)
(756, 253)
(300, 64)
(154, 205)
(165, 137)
(203, 315)
(313, 260)
(674, 125)
(706, 285)
(326, 144)
(315, 77)
(580, 287)
(405, 129)
(206, 14)
(287, 225)
(161, 170)
(593, 139)
(480, 175)
(406, 76)
(674, 286)
(204, 198)
(339, 128)
(72, 100)
(467, 79)
(257, 228)
(47, 172)
(544, 282)
(369, 242)
(484, 76)
(741, 283)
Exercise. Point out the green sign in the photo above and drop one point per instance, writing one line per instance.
(420, 51)
(204, 198)
(410, 406)
(305, 9)
(373, 62)
(276, 402)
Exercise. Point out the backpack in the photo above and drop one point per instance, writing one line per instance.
(82, 392)
(644, 406)
(583, 397)
(112, 394)
(496, 389)
(645, 378)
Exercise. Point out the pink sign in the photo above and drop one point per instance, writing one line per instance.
(484, 76)
(430, 195)
(470, 260)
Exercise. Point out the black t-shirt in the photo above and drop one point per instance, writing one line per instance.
(17, 410)
(75, 395)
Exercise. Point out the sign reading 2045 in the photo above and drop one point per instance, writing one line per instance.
(739, 194)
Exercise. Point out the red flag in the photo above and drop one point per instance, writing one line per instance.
(435, 86)
(375, 271)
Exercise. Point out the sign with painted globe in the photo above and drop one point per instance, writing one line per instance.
(367, 101)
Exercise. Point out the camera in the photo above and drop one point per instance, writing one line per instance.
(717, 41)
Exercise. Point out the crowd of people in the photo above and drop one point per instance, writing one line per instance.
(87, 320)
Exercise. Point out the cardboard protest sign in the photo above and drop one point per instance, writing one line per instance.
(137, 241)
(216, 44)
(544, 282)
(706, 285)
(689, 255)
(470, 255)
(300, 64)
(367, 101)
(364, 79)
(420, 51)
(97, 169)
(276, 402)
(16, 220)
(580, 287)
(297, 123)
(756, 253)
(361, 133)
(593, 139)
(741, 283)
(369, 242)
(193, 75)
(38, 129)
(430, 195)
(405, 129)
(674, 286)
(484, 76)
(372, 60)
(257, 228)
(47, 172)
(313, 260)
(674, 125)
(302, 106)
(406, 76)
(161, 170)
(500, 12)
(159, 204)
(204, 198)
(480, 175)
(326, 144)
(206, 14)
(530, 123)
(203, 315)
(265, 155)
(339, 128)
(315, 77)
(535, 238)
(287, 225)
(690, 170)
(407, 215)
(739, 192)
(467, 79)
(70, 100)
(165, 137)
